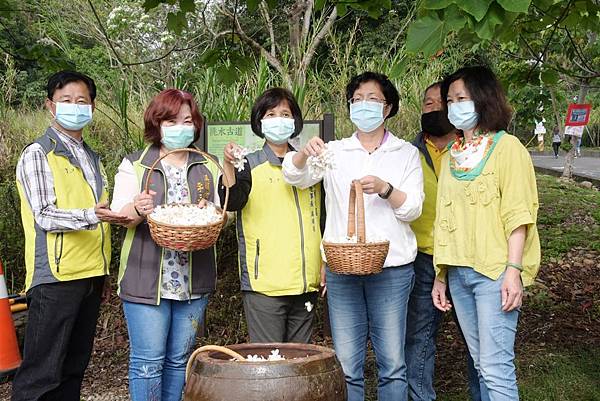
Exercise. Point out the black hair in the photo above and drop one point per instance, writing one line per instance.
(272, 98)
(387, 87)
(433, 85)
(62, 78)
(487, 94)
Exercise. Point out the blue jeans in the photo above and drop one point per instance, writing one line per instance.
(422, 326)
(161, 339)
(489, 332)
(373, 306)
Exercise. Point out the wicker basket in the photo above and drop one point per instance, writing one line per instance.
(186, 238)
(359, 258)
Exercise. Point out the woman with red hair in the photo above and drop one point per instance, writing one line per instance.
(164, 291)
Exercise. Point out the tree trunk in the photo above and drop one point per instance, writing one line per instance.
(570, 158)
(305, 37)
(556, 112)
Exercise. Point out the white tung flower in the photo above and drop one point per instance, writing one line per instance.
(186, 215)
(274, 356)
(318, 165)
(239, 154)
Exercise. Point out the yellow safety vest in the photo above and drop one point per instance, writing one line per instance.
(69, 255)
(278, 232)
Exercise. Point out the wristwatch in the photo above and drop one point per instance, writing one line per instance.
(388, 192)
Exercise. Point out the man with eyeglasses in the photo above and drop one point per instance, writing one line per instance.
(63, 190)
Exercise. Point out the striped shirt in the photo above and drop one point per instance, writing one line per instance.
(35, 176)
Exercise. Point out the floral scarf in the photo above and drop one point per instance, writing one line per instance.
(467, 159)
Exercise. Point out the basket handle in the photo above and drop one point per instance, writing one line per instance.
(356, 212)
(206, 348)
(191, 150)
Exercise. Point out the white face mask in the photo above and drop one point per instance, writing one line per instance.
(277, 129)
(463, 115)
(367, 116)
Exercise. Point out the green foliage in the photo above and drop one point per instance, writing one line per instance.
(515, 6)
(557, 375)
(177, 22)
(566, 146)
(476, 8)
(374, 8)
(253, 4)
(28, 46)
(426, 33)
(563, 375)
(12, 242)
(501, 20)
(372, 37)
(561, 218)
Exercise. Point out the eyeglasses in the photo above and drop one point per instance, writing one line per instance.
(369, 99)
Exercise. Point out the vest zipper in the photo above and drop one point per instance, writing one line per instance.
(256, 259)
(162, 250)
(301, 238)
(97, 199)
(58, 251)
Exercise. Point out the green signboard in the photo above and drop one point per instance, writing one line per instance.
(220, 134)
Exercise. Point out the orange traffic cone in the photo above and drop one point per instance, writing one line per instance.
(10, 358)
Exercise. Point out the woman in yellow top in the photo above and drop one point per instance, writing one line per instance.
(486, 243)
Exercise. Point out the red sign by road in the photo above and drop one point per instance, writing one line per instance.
(578, 114)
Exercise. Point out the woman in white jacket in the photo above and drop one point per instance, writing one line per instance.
(373, 306)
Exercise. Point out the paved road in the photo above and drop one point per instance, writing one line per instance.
(585, 167)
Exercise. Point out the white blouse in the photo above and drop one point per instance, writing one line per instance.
(395, 161)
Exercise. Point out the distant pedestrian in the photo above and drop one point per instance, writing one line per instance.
(556, 140)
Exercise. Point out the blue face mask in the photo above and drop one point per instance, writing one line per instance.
(367, 116)
(177, 136)
(463, 115)
(277, 129)
(72, 116)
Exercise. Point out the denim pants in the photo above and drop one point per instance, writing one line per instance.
(489, 332)
(375, 307)
(423, 322)
(58, 340)
(161, 339)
